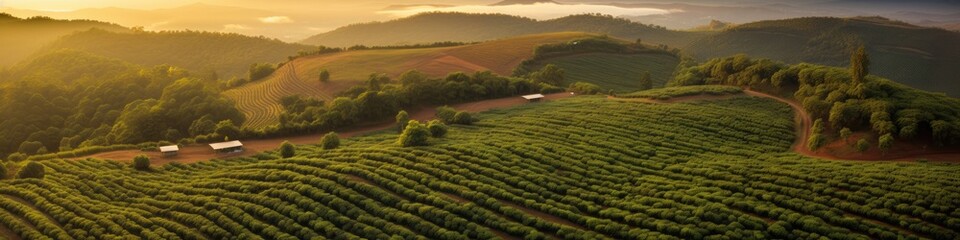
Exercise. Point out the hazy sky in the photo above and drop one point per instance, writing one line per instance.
(152, 4)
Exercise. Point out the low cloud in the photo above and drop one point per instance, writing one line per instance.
(234, 27)
(537, 11)
(276, 19)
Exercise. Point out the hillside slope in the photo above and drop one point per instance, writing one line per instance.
(260, 100)
(581, 168)
(924, 58)
(21, 37)
(228, 54)
(435, 27)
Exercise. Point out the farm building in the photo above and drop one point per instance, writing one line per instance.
(169, 151)
(227, 147)
(533, 97)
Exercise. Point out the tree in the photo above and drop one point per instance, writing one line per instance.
(3, 171)
(287, 149)
(859, 65)
(414, 135)
(330, 141)
(31, 170)
(402, 119)
(437, 128)
(885, 142)
(324, 75)
(817, 127)
(376, 81)
(816, 141)
(141, 162)
(845, 134)
(260, 70)
(462, 118)
(550, 74)
(863, 145)
(227, 129)
(645, 81)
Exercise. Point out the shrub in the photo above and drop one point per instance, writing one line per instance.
(862, 145)
(17, 156)
(330, 141)
(324, 75)
(584, 88)
(287, 149)
(141, 162)
(845, 134)
(402, 118)
(462, 118)
(816, 141)
(445, 114)
(437, 128)
(3, 171)
(885, 142)
(31, 170)
(414, 135)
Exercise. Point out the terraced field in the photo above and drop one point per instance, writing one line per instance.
(579, 168)
(616, 71)
(260, 100)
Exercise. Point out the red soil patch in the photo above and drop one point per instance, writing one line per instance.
(202, 152)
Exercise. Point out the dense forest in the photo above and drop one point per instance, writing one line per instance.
(434, 27)
(71, 99)
(226, 55)
(23, 36)
(842, 98)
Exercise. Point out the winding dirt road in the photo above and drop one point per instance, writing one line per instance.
(906, 151)
(202, 152)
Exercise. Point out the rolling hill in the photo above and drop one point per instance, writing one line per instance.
(230, 55)
(924, 58)
(619, 72)
(260, 100)
(22, 37)
(461, 27)
(580, 168)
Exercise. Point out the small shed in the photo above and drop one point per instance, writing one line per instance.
(169, 151)
(227, 147)
(533, 97)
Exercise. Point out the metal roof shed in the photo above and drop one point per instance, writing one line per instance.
(533, 97)
(227, 147)
(169, 151)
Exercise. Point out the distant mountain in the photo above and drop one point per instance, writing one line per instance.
(515, 2)
(21, 37)
(227, 54)
(924, 58)
(463, 27)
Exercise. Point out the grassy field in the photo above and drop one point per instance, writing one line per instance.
(580, 168)
(616, 71)
(260, 100)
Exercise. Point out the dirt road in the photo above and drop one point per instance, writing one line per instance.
(202, 152)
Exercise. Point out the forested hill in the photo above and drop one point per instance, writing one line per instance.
(203, 52)
(924, 58)
(68, 99)
(462, 27)
(21, 37)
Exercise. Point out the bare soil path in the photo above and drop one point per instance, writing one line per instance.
(202, 152)
(838, 150)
